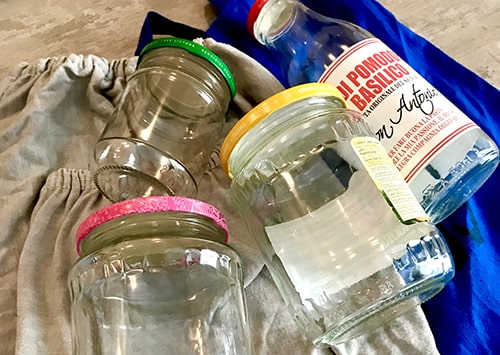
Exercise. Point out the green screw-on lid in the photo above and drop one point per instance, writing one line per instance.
(196, 49)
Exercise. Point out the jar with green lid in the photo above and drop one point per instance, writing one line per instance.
(166, 124)
(346, 242)
(156, 276)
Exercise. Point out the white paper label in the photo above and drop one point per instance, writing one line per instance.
(338, 244)
(407, 114)
(388, 179)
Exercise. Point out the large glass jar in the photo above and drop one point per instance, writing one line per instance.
(155, 276)
(166, 124)
(345, 240)
(443, 155)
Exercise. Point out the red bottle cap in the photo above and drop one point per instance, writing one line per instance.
(254, 13)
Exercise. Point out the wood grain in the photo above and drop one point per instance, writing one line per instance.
(467, 30)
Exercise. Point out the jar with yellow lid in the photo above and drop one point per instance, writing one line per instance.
(346, 242)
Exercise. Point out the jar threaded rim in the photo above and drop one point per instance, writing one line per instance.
(150, 204)
(195, 49)
(269, 105)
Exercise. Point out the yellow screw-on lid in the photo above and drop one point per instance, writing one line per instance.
(271, 104)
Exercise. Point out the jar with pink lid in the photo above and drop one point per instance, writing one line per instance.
(156, 276)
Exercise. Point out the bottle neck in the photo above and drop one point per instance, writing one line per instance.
(280, 21)
(304, 41)
(275, 20)
(152, 225)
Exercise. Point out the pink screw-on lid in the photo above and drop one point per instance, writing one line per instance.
(149, 205)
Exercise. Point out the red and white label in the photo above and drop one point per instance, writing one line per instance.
(407, 114)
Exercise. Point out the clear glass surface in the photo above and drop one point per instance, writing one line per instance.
(165, 126)
(306, 43)
(341, 257)
(150, 295)
(455, 174)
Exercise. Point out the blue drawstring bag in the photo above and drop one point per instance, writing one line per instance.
(465, 316)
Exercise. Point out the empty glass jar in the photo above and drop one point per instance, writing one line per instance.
(155, 276)
(166, 124)
(345, 240)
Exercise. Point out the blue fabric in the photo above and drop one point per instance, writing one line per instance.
(465, 316)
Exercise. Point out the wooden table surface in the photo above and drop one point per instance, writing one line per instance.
(467, 30)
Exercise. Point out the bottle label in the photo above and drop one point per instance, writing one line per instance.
(388, 179)
(407, 114)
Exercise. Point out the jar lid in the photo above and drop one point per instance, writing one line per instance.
(254, 13)
(196, 49)
(149, 205)
(269, 105)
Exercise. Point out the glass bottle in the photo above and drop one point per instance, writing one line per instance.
(155, 276)
(166, 124)
(346, 242)
(441, 153)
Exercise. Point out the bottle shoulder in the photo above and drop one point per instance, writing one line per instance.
(316, 50)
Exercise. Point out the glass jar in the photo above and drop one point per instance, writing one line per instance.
(442, 154)
(166, 124)
(156, 276)
(346, 242)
